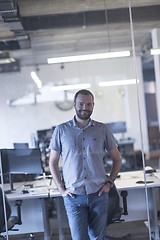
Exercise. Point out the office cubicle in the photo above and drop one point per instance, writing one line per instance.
(126, 89)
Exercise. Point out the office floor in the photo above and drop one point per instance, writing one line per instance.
(116, 231)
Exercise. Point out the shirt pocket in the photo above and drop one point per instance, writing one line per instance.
(69, 142)
(96, 144)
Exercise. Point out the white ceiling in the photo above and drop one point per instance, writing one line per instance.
(59, 28)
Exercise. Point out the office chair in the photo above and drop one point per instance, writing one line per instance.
(114, 209)
(11, 220)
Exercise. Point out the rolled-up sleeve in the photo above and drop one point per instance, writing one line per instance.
(55, 143)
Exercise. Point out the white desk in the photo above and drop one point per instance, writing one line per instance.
(136, 201)
(34, 217)
(33, 208)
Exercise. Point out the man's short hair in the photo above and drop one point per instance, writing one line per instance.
(84, 92)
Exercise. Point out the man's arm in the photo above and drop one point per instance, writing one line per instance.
(117, 161)
(54, 168)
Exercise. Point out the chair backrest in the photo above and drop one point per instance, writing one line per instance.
(114, 209)
(8, 210)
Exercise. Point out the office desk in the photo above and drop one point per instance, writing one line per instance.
(136, 201)
(34, 217)
(33, 208)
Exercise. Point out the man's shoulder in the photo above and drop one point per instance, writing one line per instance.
(65, 124)
(101, 126)
(98, 124)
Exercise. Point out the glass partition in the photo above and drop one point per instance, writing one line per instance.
(126, 91)
(150, 73)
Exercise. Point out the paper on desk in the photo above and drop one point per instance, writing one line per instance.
(157, 174)
(38, 190)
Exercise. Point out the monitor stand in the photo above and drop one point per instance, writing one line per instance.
(122, 135)
(11, 185)
(11, 182)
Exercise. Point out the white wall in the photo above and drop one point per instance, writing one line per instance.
(119, 103)
(156, 44)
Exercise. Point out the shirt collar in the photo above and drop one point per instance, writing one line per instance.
(91, 122)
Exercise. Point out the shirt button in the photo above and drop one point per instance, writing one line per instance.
(83, 138)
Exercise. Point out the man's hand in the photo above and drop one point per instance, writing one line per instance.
(105, 188)
(65, 193)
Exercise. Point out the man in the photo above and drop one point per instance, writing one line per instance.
(82, 143)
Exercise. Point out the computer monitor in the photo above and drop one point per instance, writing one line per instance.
(24, 161)
(4, 167)
(4, 161)
(117, 127)
(20, 145)
(44, 136)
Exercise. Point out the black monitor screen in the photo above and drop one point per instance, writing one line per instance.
(25, 161)
(44, 135)
(117, 127)
(4, 161)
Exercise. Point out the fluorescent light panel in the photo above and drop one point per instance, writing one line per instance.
(36, 79)
(71, 87)
(155, 51)
(118, 82)
(101, 84)
(89, 57)
(6, 60)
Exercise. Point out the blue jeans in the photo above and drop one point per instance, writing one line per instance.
(87, 216)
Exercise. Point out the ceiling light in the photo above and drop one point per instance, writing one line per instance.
(71, 87)
(118, 82)
(155, 51)
(89, 57)
(36, 79)
(6, 60)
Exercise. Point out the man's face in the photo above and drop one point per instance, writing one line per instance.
(84, 106)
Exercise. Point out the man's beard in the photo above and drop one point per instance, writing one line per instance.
(84, 116)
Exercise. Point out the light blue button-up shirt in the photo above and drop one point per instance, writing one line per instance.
(82, 151)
